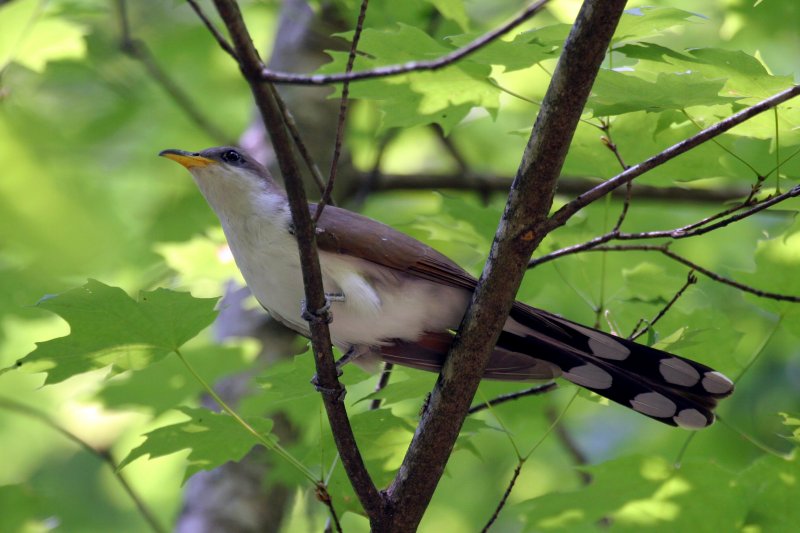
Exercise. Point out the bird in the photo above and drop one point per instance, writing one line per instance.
(396, 299)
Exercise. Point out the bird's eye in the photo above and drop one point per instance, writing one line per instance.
(231, 156)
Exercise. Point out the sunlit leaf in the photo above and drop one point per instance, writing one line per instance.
(108, 327)
(213, 439)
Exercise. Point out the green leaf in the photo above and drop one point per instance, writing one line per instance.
(453, 10)
(204, 263)
(23, 509)
(615, 93)
(524, 51)
(745, 75)
(773, 488)
(792, 422)
(774, 258)
(108, 327)
(172, 381)
(213, 439)
(637, 493)
(444, 97)
(641, 22)
(639, 283)
(31, 37)
(287, 382)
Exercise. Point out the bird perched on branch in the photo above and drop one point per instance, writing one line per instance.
(397, 299)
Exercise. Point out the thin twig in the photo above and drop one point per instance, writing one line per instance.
(305, 153)
(722, 147)
(325, 498)
(221, 40)
(103, 455)
(663, 249)
(506, 494)
(567, 185)
(690, 230)
(691, 279)
(139, 51)
(554, 423)
(560, 217)
(411, 66)
(696, 229)
(611, 145)
(386, 374)
(343, 102)
(533, 391)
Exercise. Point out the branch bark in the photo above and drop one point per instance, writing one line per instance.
(565, 213)
(521, 229)
(566, 186)
(264, 95)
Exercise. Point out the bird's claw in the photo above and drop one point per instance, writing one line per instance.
(321, 315)
(337, 393)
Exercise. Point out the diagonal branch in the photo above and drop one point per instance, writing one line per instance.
(521, 229)
(411, 66)
(561, 216)
(570, 185)
(139, 51)
(690, 230)
(343, 103)
(104, 455)
(664, 249)
(250, 64)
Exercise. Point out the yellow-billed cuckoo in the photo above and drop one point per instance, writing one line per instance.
(398, 299)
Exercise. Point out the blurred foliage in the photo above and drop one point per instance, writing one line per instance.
(82, 196)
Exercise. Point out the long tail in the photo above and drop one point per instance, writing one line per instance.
(537, 345)
(663, 386)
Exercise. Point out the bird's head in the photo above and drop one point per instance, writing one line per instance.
(228, 177)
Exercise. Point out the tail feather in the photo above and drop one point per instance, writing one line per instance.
(536, 345)
(663, 386)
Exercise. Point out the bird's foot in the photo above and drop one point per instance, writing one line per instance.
(339, 392)
(336, 393)
(323, 314)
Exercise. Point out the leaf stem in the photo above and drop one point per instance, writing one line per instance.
(268, 443)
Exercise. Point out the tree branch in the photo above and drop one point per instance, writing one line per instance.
(343, 102)
(561, 216)
(664, 249)
(104, 455)
(532, 391)
(138, 50)
(691, 279)
(411, 66)
(568, 185)
(250, 64)
(519, 232)
(690, 230)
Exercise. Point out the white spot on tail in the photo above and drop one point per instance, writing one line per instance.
(678, 372)
(603, 345)
(692, 419)
(589, 375)
(716, 383)
(654, 404)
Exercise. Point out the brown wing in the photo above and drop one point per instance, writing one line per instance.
(380, 244)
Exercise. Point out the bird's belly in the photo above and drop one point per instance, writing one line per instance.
(372, 312)
(405, 313)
